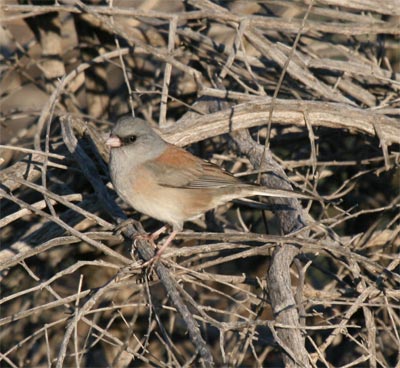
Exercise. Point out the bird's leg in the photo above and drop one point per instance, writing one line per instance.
(169, 240)
(151, 238)
(145, 236)
(154, 236)
(157, 233)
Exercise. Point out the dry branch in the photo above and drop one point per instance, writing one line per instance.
(295, 94)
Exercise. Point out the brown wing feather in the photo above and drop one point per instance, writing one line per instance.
(178, 168)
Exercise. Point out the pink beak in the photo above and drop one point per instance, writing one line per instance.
(113, 142)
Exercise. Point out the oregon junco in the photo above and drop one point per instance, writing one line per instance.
(167, 182)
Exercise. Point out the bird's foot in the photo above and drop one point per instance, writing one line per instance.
(157, 256)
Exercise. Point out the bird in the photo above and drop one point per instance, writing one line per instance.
(168, 183)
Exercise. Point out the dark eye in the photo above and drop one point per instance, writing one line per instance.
(129, 139)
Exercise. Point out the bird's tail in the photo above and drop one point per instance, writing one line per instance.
(282, 193)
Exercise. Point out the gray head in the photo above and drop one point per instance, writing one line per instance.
(133, 139)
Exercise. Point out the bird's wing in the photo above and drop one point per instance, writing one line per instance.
(178, 168)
